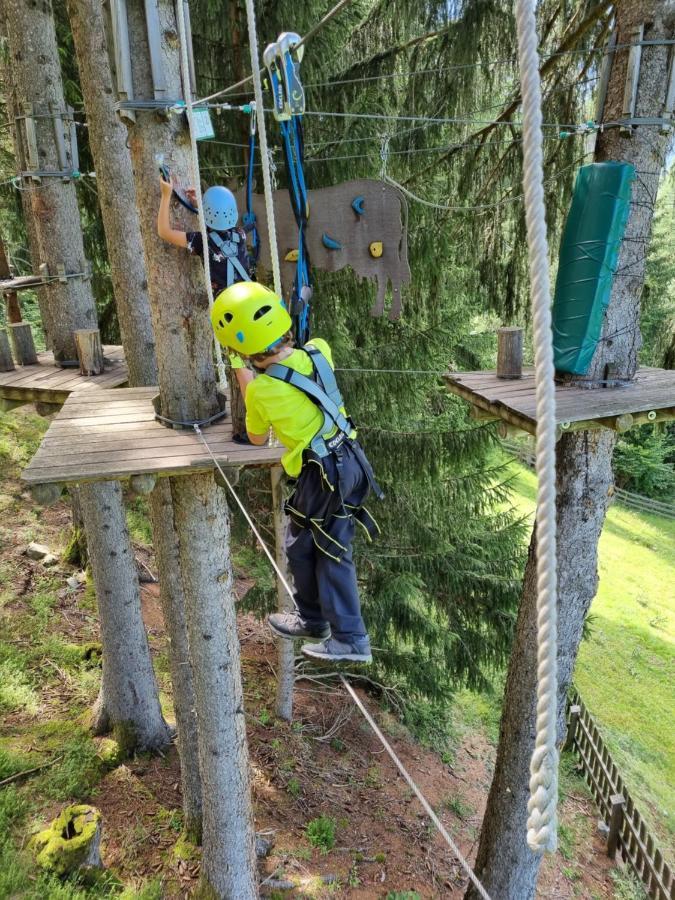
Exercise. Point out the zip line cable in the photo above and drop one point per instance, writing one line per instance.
(542, 807)
(397, 762)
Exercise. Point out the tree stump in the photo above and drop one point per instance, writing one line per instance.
(22, 342)
(6, 361)
(72, 841)
(89, 351)
(510, 353)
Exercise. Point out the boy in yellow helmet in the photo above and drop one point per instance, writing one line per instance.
(296, 395)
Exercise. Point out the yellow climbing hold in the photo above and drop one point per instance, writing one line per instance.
(291, 256)
(376, 249)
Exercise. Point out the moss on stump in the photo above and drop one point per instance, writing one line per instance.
(71, 842)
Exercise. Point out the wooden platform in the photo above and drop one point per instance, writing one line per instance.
(112, 434)
(651, 397)
(49, 383)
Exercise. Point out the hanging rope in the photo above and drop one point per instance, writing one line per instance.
(196, 177)
(264, 155)
(397, 762)
(542, 822)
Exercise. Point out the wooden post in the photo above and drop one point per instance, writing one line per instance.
(6, 361)
(510, 352)
(22, 342)
(575, 712)
(13, 310)
(89, 351)
(286, 657)
(617, 803)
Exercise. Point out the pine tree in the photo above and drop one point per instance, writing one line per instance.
(505, 864)
(441, 586)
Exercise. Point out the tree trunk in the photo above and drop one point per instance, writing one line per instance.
(285, 651)
(128, 703)
(56, 221)
(116, 192)
(504, 862)
(12, 109)
(187, 390)
(172, 597)
(12, 308)
(36, 75)
(117, 195)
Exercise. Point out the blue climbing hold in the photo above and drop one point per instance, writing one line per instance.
(330, 242)
(357, 205)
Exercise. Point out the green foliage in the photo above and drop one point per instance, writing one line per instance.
(79, 769)
(138, 521)
(627, 886)
(644, 462)
(321, 833)
(16, 690)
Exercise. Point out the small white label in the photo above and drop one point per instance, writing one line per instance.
(203, 127)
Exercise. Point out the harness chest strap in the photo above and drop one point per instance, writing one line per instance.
(230, 251)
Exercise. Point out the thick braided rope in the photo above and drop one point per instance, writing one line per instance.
(541, 823)
(264, 155)
(196, 176)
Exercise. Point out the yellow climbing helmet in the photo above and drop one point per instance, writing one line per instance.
(249, 318)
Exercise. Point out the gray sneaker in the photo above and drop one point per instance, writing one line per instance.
(333, 650)
(291, 626)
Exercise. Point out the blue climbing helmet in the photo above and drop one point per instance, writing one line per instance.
(220, 209)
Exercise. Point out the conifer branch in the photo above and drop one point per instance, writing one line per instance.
(568, 43)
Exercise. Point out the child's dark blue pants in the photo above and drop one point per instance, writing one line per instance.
(323, 510)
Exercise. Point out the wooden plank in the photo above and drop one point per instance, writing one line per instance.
(177, 465)
(47, 459)
(111, 443)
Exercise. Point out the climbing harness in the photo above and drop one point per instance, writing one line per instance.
(223, 248)
(282, 61)
(330, 449)
(542, 820)
(249, 217)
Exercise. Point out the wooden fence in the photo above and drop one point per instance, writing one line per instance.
(628, 833)
(525, 453)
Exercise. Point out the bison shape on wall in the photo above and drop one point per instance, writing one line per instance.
(361, 224)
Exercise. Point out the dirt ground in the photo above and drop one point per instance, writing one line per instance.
(326, 763)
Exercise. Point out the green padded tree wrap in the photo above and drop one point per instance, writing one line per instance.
(588, 255)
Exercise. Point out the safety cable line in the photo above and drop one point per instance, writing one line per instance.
(413, 787)
(399, 765)
(264, 153)
(482, 207)
(461, 66)
(487, 65)
(542, 806)
(182, 13)
(255, 65)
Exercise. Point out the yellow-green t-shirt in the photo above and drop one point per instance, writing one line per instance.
(295, 419)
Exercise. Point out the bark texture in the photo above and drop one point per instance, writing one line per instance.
(117, 194)
(188, 390)
(36, 76)
(12, 308)
(506, 866)
(128, 703)
(172, 598)
(285, 651)
(115, 185)
(228, 861)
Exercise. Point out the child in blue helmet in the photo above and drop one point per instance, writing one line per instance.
(228, 258)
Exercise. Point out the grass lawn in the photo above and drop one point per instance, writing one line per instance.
(626, 668)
